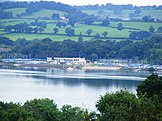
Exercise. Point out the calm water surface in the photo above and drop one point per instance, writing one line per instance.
(77, 88)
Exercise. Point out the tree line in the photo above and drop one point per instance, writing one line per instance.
(148, 49)
(119, 106)
(33, 27)
(110, 6)
(35, 6)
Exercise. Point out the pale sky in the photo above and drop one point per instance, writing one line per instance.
(92, 2)
(134, 2)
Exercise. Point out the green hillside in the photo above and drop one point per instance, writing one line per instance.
(110, 13)
(142, 26)
(112, 30)
(44, 13)
(125, 13)
(15, 21)
(157, 14)
(41, 13)
(16, 11)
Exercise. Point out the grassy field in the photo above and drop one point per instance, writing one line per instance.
(16, 11)
(125, 13)
(112, 31)
(15, 36)
(16, 21)
(83, 28)
(157, 14)
(44, 13)
(142, 26)
(41, 13)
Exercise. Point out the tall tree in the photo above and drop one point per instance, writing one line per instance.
(97, 36)
(80, 38)
(120, 26)
(151, 87)
(59, 24)
(55, 16)
(120, 106)
(56, 30)
(105, 33)
(70, 32)
(71, 22)
(42, 109)
(147, 19)
(151, 29)
(89, 32)
(105, 23)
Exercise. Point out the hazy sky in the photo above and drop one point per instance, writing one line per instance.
(134, 2)
(86, 2)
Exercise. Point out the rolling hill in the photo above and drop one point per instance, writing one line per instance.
(113, 32)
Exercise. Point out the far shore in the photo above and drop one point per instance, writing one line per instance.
(83, 67)
(101, 68)
(86, 67)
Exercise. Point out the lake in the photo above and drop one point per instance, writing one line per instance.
(74, 87)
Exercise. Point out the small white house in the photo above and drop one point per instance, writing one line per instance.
(68, 61)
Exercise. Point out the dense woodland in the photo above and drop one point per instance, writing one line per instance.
(149, 49)
(119, 106)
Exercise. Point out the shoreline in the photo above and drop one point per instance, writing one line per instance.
(87, 67)
(98, 68)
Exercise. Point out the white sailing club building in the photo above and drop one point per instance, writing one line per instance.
(68, 61)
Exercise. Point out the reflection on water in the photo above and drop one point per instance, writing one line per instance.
(77, 88)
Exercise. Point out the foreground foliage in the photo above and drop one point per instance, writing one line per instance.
(124, 106)
(119, 106)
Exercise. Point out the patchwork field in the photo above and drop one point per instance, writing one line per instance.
(112, 30)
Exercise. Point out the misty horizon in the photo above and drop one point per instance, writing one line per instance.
(94, 2)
